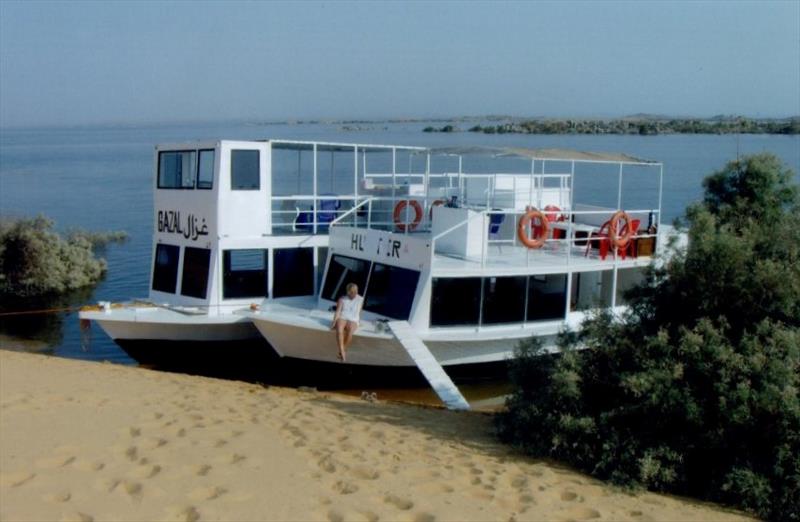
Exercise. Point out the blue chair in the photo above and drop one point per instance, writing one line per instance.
(326, 212)
(303, 221)
(495, 221)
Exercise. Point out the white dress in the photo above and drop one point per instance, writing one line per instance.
(351, 308)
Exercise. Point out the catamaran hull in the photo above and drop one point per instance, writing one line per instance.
(372, 349)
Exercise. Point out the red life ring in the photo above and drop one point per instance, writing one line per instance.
(522, 233)
(619, 241)
(400, 208)
(436, 203)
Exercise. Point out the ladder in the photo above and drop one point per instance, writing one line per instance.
(429, 366)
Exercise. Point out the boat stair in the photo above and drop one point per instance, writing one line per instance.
(429, 366)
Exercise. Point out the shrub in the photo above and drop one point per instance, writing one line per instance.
(35, 260)
(696, 390)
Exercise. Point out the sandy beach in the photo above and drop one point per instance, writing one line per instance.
(95, 441)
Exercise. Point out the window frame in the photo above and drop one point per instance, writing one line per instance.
(258, 174)
(194, 174)
(213, 168)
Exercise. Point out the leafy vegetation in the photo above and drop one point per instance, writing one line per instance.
(696, 390)
(644, 126)
(35, 260)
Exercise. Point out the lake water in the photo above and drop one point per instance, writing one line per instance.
(100, 178)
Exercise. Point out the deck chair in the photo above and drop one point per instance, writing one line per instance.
(601, 240)
(326, 213)
(631, 246)
(495, 221)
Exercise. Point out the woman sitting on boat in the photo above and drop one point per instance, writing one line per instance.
(346, 318)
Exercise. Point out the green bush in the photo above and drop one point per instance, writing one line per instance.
(35, 260)
(696, 390)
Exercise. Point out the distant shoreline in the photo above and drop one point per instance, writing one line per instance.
(642, 126)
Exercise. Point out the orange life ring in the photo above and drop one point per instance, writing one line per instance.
(436, 203)
(619, 241)
(401, 207)
(522, 233)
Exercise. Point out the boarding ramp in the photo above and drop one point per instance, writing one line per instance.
(429, 366)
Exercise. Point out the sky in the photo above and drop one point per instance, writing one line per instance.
(78, 63)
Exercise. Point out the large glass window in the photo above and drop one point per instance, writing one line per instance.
(293, 272)
(503, 300)
(176, 170)
(456, 301)
(342, 271)
(591, 290)
(194, 281)
(547, 297)
(165, 268)
(391, 291)
(205, 170)
(244, 273)
(245, 170)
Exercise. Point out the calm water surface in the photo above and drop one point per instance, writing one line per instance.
(100, 178)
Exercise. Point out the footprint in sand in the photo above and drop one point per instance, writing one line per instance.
(77, 517)
(55, 462)
(326, 464)
(15, 480)
(156, 443)
(183, 514)
(424, 517)
(209, 493)
(583, 513)
(202, 470)
(133, 489)
(568, 496)
(60, 497)
(132, 453)
(147, 472)
(400, 503)
(86, 465)
(134, 432)
(344, 488)
(365, 473)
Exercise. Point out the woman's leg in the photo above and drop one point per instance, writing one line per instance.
(341, 326)
(349, 330)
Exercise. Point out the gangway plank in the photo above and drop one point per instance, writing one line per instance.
(429, 366)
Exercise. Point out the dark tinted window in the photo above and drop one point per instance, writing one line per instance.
(547, 297)
(194, 281)
(176, 169)
(391, 291)
(503, 300)
(244, 273)
(165, 268)
(456, 301)
(244, 170)
(205, 170)
(293, 272)
(342, 271)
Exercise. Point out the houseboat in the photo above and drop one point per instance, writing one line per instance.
(465, 249)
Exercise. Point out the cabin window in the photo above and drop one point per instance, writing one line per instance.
(293, 272)
(165, 268)
(194, 281)
(591, 290)
(456, 301)
(244, 273)
(547, 297)
(503, 300)
(176, 170)
(205, 170)
(391, 291)
(627, 278)
(342, 271)
(245, 171)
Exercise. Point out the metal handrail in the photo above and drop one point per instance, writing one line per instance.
(336, 221)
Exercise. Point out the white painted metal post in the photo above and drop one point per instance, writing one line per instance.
(314, 202)
(355, 183)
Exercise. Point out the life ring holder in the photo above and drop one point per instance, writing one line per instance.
(613, 224)
(401, 207)
(522, 233)
(436, 203)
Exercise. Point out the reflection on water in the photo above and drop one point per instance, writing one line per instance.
(40, 319)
